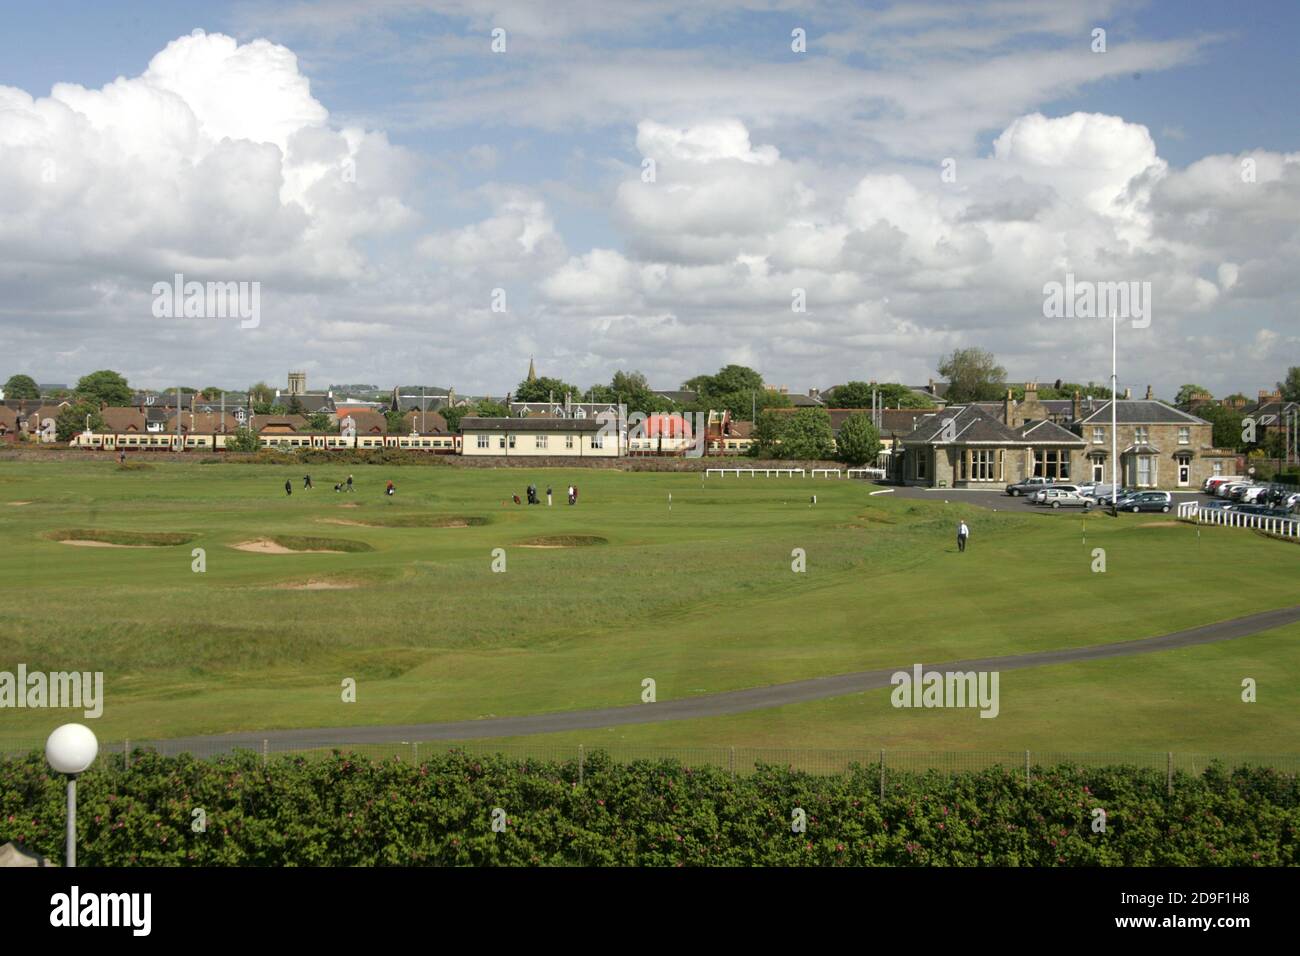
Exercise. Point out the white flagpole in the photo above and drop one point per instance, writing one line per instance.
(1114, 397)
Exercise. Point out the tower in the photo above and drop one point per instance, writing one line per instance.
(297, 383)
(532, 372)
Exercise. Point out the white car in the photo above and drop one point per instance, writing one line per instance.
(1252, 494)
(1214, 481)
(1038, 496)
(1225, 490)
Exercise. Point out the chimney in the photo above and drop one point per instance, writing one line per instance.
(1128, 394)
(1149, 395)
(1008, 410)
(1076, 407)
(814, 392)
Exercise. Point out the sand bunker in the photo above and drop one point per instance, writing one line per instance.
(94, 538)
(563, 541)
(318, 586)
(267, 546)
(15, 504)
(296, 544)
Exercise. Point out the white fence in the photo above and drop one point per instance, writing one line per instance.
(867, 473)
(1192, 511)
(826, 471)
(754, 472)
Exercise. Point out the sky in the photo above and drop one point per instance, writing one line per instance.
(434, 191)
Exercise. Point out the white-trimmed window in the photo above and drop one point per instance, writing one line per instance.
(1098, 435)
(981, 464)
(1185, 435)
(541, 441)
(1218, 468)
(501, 441)
(597, 441)
(568, 441)
(482, 441)
(1140, 434)
(511, 440)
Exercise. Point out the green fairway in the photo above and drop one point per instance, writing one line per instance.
(400, 595)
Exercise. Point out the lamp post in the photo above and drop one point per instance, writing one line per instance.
(1114, 397)
(70, 750)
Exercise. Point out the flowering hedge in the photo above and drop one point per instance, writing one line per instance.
(349, 811)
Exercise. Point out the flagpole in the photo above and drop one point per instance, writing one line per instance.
(1114, 395)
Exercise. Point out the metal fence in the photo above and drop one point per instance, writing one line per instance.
(882, 764)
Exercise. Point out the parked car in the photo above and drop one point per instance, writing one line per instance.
(1096, 489)
(1038, 496)
(1146, 501)
(1062, 498)
(1228, 489)
(1255, 493)
(1214, 481)
(1107, 496)
(1028, 486)
(1239, 492)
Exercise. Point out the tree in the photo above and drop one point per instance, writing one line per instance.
(973, 375)
(104, 386)
(452, 417)
(295, 405)
(72, 420)
(806, 434)
(395, 421)
(243, 439)
(21, 386)
(261, 394)
(851, 395)
(858, 442)
(545, 389)
(490, 409)
(1290, 386)
(213, 393)
(1226, 424)
(1188, 392)
(322, 422)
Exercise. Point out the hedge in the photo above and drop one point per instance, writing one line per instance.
(343, 810)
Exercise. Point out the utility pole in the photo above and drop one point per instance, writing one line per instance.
(1114, 397)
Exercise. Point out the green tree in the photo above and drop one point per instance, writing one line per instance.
(104, 386)
(261, 394)
(973, 375)
(453, 415)
(858, 442)
(1226, 424)
(394, 419)
(295, 405)
(1290, 386)
(322, 422)
(851, 395)
(243, 439)
(21, 386)
(544, 389)
(213, 393)
(487, 408)
(1188, 392)
(72, 420)
(805, 435)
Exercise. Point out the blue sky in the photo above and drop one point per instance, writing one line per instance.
(780, 170)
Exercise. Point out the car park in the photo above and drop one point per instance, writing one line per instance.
(1254, 493)
(1214, 481)
(1226, 489)
(1146, 501)
(1028, 486)
(1107, 497)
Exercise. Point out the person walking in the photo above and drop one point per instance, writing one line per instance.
(572, 494)
(306, 482)
(288, 487)
(390, 488)
(963, 533)
(548, 496)
(350, 483)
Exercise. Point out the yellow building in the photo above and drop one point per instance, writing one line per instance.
(538, 437)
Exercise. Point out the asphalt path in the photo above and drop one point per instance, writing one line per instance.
(710, 705)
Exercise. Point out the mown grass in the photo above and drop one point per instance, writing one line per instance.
(701, 598)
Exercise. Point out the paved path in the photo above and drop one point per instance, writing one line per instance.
(711, 705)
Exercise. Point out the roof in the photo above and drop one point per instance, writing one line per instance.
(368, 421)
(805, 401)
(682, 396)
(1141, 448)
(432, 422)
(118, 420)
(1141, 411)
(1047, 433)
(530, 425)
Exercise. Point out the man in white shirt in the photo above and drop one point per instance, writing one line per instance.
(963, 533)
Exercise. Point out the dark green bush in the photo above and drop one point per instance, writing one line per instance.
(349, 811)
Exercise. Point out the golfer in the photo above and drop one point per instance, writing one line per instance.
(963, 533)
(548, 496)
(349, 482)
(390, 487)
(306, 481)
(572, 494)
(288, 487)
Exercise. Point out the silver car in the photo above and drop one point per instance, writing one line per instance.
(1062, 498)
(1039, 496)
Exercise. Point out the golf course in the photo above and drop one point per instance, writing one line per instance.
(213, 603)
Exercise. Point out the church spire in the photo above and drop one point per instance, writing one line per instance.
(532, 372)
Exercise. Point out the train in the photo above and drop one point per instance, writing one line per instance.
(286, 441)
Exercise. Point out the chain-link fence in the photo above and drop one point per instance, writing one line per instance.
(883, 764)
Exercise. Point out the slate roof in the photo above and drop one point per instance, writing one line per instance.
(532, 424)
(680, 396)
(1141, 411)
(434, 424)
(1047, 433)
